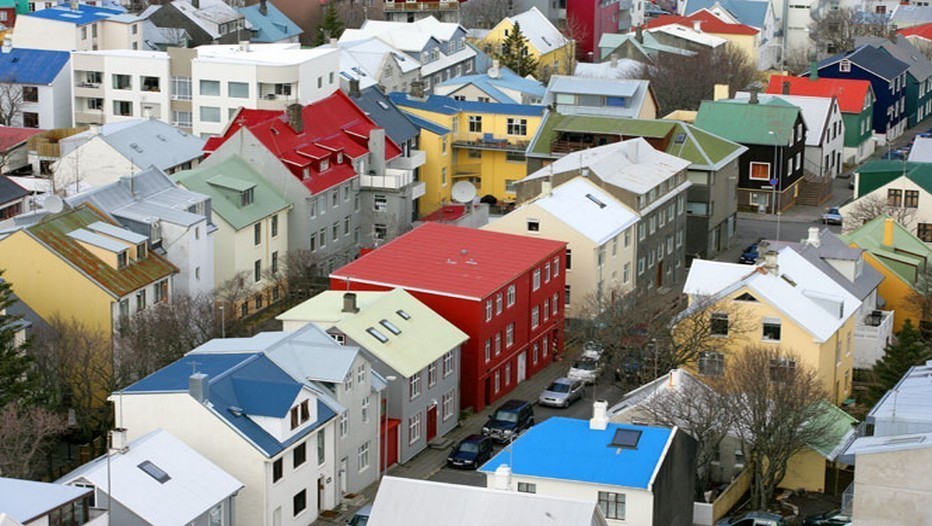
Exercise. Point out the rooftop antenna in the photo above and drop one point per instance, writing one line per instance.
(194, 365)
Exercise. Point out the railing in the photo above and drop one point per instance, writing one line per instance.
(494, 144)
(392, 180)
(420, 6)
(877, 325)
(847, 500)
(415, 159)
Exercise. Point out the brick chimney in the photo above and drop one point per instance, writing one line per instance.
(295, 118)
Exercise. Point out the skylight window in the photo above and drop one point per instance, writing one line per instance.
(626, 438)
(680, 138)
(391, 327)
(154, 471)
(596, 200)
(377, 335)
(404, 315)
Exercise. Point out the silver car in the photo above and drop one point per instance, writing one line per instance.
(585, 369)
(562, 392)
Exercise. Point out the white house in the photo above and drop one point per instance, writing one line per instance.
(78, 27)
(374, 62)
(257, 76)
(119, 85)
(37, 87)
(24, 502)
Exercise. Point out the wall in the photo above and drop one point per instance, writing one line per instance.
(806, 470)
(436, 173)
(93, 163)
(38, 33)
(360, 431)
(895, 292)
(675, 482)
(893, 487)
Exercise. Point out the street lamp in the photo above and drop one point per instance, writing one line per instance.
(388, 380)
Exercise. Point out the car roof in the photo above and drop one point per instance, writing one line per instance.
(514, 403)
(564, 380)
(365, 510)
(475, 437)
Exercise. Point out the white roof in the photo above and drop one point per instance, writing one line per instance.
(445, 61)
(633, 165)
(909, 404)
(799, 290)
(623, 68)
(277, 54)
(370, 54)
(195, 484)
(24, 501)
(886, 444)
(539, 31)
(402, 35)
(126, 53)
(815, 110)
(587, 209)
(688, 33)
(410, 502)
(921, 151)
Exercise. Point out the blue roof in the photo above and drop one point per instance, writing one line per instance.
(425, 124)
(749, 12)
(273, 26)
(85, 14)
(32, 66)
(247, 381)
(566, 449)
(493, 86)
(872, 59)
(449, 106)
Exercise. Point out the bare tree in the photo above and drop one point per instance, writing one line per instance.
(835, 30)
(776, 404)
(484, 14)
(234, 291)
(11, 103)
(298, 276)
(25, 432)
(704, 326)
(870, 206)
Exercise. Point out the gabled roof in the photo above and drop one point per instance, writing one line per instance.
(240, 386)
(868, 445)
(147, 142)
(409, 37)
(384, 113)
(649, 46)
(363, 60)
(688, 33)
(53, 233)
(879, 172)
(910, 400)
(870, 59)
(10, 191)
(587, 209)
(425, 124)
(749, 12)
(83, 15)
(449, 106)
(850, 93)
(708, 23)
(635, 92)
(921, 151)
(923, 31)
(410, 502)
(271, 26)
(623, 68)
(209, 15)
(449, 260)
(224, 183)
(567, 449)
(910, 15)
(903, 50)
(25, 500)
(799, 290)
(194, 484)
(840, 431)
(32, 66)
(331, 126)
(493, 86)
(12, 137)
(539, 31)
(816, 112)
(905, 258)
(747, 123)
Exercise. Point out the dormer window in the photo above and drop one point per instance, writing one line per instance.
(141, 251)
(300, 414)
(324, 164)
(121, 259)
(247, 196)
(340, 158)
(844, 66)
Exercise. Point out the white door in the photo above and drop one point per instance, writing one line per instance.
(343, 467)
(522, 367)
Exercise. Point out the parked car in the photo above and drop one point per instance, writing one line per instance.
(592, 349)
(832, 216)
(471, 452)
(562, 392)
(586, 370)
(832, 518)
(750, 255)
(753, 518)
(509, 420)
(899, 154)
(361, 517)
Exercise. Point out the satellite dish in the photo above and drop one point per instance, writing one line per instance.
(53, 204)
(463, 192)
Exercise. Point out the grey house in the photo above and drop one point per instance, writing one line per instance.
(413, 348)
(157, 479)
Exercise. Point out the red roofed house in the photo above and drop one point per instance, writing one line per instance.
(335, 159)
(14, 155)
(855, 100)
(740, 36)
(505, 291)
(919, 36)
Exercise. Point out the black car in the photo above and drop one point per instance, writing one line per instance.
(832, 518)
(471, 452)
(509, 420)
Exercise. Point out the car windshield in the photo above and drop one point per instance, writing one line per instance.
(469, 447)
(559, 387)
(585, 365)
(506, 416)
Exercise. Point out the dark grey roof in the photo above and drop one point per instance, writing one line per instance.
(384, 112)
(875, 60)
(903, 50)
(10, 191)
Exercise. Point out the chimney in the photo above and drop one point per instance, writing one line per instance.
(584, 171)
(814, 240)
(888, 232)
(74, 5)
(196, 4)
(244, 46)
(7, 44)
(198, 387)
(786, 87)
(599, 420)
(354, 88)
(770, 262)
(295, 118)
(697, 26)
(503, 477)
(814, 70)
(349, 303)
(417, 90)
(720, 91)
(118, 441)
(495, 71)
(546, 188)
(264, 7)
(334, 42)
(639, 35)
(613, 58)
(676, 379)
(753, 99)
(633, 150)
(377, 151)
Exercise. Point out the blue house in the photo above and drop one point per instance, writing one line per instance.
(637, 474)
(918, 76)
(268, 25)
(887, 76)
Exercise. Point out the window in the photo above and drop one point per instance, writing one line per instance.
(122, 81)
(488, 310)
(362, 457)
(210, 114)
(498, 303)
(123, 108)
(527, 487)
(141, 300)
(513, 157)
(448, 364)
(498, 343)
(447, 407)
(924, 232)
(95, 104)
(181, 88)
(257, 233)
(771, 329)
(556, 303)
(181, 119)
(711, 363)
(30, 94)
(535, 317)
(151, 84)
(257, 270)
(760, 171)
(344, 424)
(299, 502)
(275, 225)
(510, 335)
(488, 350)
(626, 274)
(414, 428)
(536, 279)
(414, 386)
(844, 66)
(556, 267)
(547, 272)
(321, 446)
(911, 199)
(475, 123)
(210, 88)
(719, 324)
(781, 369)
(511, 295)
(380, 203)
(277, 470)
(612, 504)
(498, 381)
(533, 225)
(566, 295)
(431, 374)
(299, 455)
(517, 126)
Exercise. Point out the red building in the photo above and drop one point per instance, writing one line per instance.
(593, 18)
(505, 291)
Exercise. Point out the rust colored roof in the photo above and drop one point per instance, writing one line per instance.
(708, 23)
(850, 93)
(10, 137)
(53, 233)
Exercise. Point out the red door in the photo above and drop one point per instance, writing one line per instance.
(389, 454)
(431, 422)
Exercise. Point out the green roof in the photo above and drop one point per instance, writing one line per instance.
(225, 183)
(875, 174)
(705, 150)
(907, 254)
(53, 234)
(745, 123)
(839, 430)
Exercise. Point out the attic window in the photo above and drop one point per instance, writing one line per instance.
(404, 315)
(595, 200)
(121, 259)
(680, 138)
(391, 327)
(626, 438)
(383, 105)
(746, 297)
(377, 335)
(136, 147)
(154, 471)
(324, 164)
(844, 66)
(247, 196)
(141, 251)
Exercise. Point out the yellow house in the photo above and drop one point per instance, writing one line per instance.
(555, 54)
(485, 145)
(900, 257)
(786, 302)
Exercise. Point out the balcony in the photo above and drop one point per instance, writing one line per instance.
(413, 161)
(88, 117)
(419, 6)
(872, 333)
(393, 179)
(88, 89)
(467, 170)
(488, 142)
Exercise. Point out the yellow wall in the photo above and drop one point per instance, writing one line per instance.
(436, 190)
(895, 292)
(560, 61)
(806, 470)
(51, 286)
(747, 43)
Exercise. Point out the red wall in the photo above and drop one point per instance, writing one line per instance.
(594, 19)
